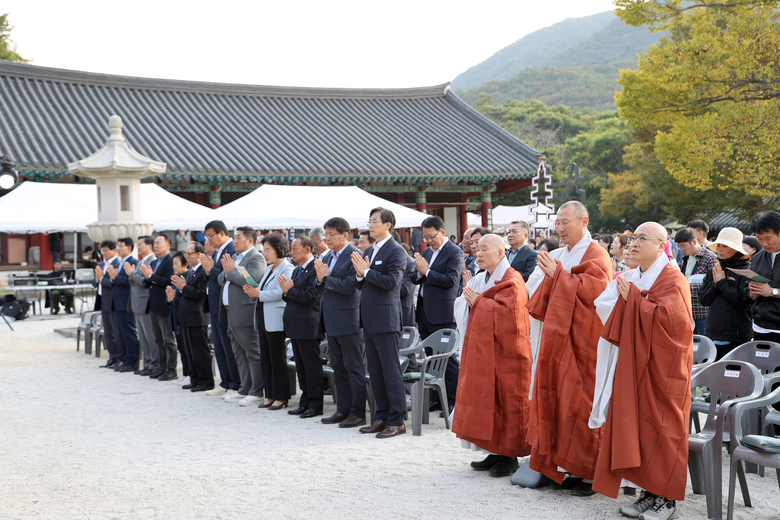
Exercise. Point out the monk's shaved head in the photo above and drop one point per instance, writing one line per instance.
(490, 252)
(493, 242)
(647, 244)
(652, 229)
(579, 208)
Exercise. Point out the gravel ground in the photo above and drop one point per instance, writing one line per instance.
(80, 442)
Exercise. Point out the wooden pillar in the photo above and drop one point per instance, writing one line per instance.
(487, 207)
(42, 241)
(215, 196)
(421, 199)
(463, 215)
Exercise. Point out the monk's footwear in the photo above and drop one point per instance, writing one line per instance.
(504, 467)
(583, 489)
(528, 478)
(644, 502)
(485, 464)
(568, 483)
(662, 509)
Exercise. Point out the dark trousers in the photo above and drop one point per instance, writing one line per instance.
(346, 359)
(166, 344)
(722, 350)
(185, 362)
(273, 361)
(110, 336)
(198, 356)
(226, 360)
(308, 366)
(426, 328)
(127, 336)
(387, 382)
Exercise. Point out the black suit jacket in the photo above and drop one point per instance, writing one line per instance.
(158, 300)
(121, 287)
(440, 287)
(341, 295)
(107, 297)
(380, 298)
(407, 294)
(302, 313)
(215, 290)
(525, 261)
(192, 297)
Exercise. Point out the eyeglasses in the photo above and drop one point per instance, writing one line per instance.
(373, 222)
(431, 238)
(642, 240)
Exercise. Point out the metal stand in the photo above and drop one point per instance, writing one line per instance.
(6, 321)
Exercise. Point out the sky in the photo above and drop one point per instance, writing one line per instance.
(345, 44)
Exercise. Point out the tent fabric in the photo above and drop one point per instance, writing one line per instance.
(275, 207)
(504, 215)
(40, 207)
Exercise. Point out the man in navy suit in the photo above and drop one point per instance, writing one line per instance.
(302, 326)
(216, 234)
(520, 256)
(192, 320)
(379, 278)
(439, 271)
(127, 336)
(105, 295)
(157, 278)
(341, 320)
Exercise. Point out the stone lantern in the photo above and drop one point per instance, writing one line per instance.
(117, 170)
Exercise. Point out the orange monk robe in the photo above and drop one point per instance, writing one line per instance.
(566, 367)
(645, 436)
(495, 371)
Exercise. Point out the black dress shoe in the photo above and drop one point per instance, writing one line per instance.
(376, 427)
(170, 375)
(157, 373)
(567, 484)
(391, 431)
(200, 388)
(486, 463)
(117, 367)
(311, 412)
(583, 489)
(434, 405)
(334, 419)
(352, 421)
(505, 467)
(145, 372)
(297, 411)
(188, 387)
(110, 363)
(128, 368)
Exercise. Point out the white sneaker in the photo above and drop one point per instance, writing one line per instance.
(184, 380)
(228, 393)
(643, 503)
(218, 390)
(234, 398)
(662, 509)
(250, 400)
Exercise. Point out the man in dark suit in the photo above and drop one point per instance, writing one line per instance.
(127, 336)
(302, 326)
(379, 279)
(192, 320)
(341, 321)
(439, 271)
(217, 238)
(106, 295)
(158, 277)
(520, 256)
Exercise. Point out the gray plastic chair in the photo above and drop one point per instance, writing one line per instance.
(81, 330)
(442, 345)
(96, 325)
(729, 382)
(409, 351)
(369, 388)
(292, 373)
(327, 370)
(704, 352)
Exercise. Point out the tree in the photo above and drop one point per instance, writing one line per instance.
(709, 94)
(7, 47)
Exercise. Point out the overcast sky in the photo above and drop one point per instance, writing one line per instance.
(300, 43)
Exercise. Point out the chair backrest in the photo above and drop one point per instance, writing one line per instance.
(704, 351)
(444, 341)
(727, 380)
(764, 355)
(410, 337)
(325, 352)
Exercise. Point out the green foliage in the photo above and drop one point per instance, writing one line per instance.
(7, 47)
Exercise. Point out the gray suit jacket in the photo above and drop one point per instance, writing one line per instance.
(271, 298)
(139, 295)
(242, 307)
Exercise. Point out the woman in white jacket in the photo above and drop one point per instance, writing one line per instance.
(269, 311)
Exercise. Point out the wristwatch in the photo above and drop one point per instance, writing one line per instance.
(775, 293)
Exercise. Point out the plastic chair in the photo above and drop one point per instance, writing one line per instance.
(704, 352)
(327, 370)
(729, 382)
(292, 373)
(741, 450)
(369, 388)
(96, 325)
(442, 345)
(409, 349)
(83, 327)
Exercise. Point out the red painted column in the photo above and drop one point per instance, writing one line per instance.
(463, 217)
(421, 199)
(215, 197)
(487, 205)
(42, 241)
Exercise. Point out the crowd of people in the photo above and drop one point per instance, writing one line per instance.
(538, 373)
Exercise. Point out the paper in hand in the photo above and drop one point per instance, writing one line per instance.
(243, 272)
(751, 275)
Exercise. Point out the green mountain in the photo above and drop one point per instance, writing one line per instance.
(581, 75)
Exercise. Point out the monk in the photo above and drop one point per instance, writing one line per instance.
(492, 405)
(644, 378)
(566, 331)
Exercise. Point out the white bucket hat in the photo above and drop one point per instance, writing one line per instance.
(730, 237)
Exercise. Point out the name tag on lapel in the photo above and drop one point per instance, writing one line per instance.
(378, 262)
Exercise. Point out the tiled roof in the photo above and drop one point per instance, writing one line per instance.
(51, 117)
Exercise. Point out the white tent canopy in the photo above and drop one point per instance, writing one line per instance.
(504, 215)
(40, 207)
(277, 207)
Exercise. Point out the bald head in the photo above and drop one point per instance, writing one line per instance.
(577, 207)
(652, 229)
(648, 243)
(490, 251)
